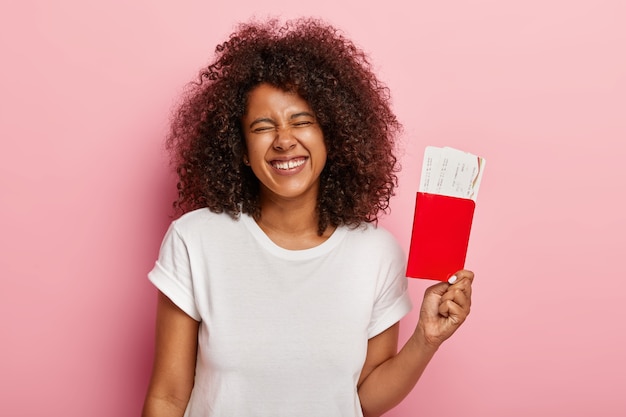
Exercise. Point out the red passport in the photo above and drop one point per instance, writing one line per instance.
(441, 230)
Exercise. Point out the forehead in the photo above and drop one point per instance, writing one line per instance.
(266, 98)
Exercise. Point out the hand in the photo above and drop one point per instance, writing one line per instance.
(444, 308)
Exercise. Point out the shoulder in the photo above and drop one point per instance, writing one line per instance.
(202, 217)
(200, 232)
(375, 238)
(203, 223)
(372, 233)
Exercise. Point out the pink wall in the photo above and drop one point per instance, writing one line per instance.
(538, 87)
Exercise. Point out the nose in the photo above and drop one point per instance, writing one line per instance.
(284, 139)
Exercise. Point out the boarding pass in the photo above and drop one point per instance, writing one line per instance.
(451, 172)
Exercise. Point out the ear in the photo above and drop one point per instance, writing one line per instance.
(246, 161)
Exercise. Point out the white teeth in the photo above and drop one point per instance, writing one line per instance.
(289, 164)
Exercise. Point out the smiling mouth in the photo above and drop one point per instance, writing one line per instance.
(287, 165)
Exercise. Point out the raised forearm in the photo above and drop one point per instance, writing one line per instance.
(163, 407)
(444, 308)
(393, 379)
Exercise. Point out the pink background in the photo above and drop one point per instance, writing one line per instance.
(537, 87)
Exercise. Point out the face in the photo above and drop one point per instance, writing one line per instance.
(285, 144)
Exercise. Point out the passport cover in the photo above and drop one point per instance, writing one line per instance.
(440, 236)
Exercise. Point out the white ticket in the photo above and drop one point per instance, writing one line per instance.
(451, 172)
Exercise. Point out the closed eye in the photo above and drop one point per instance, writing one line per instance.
(302, 123)
(261, 125)
(262, 129)
(302, 119)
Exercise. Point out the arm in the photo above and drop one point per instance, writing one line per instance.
(388, 377)
(174, 361)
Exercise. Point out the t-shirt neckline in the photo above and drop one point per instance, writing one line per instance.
(300, 254)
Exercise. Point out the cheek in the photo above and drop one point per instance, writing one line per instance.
(254, 149)
(316, 142)
(323, 150)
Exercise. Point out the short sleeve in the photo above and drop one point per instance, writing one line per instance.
(172, 273)
(392, 298)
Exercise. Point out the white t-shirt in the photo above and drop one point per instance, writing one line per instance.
(282, 332)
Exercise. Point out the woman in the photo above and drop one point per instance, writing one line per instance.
(278, 295)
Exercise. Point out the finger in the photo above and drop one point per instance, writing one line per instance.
(461, 275)
(456, 313)
(432, 299)
(444, 308)
(450, 308)
(453, 309)
(459, 305)
(458, 296)
(464, 286)
(463, 281)
(437, 289)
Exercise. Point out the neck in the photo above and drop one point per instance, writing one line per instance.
(292, 224)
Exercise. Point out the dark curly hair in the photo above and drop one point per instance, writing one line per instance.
(316, 61)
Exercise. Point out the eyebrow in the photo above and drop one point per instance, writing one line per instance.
(270, 121)
(301, 114)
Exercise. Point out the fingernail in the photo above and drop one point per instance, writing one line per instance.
(452, 279)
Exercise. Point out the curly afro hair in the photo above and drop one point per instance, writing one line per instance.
(316, 61)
